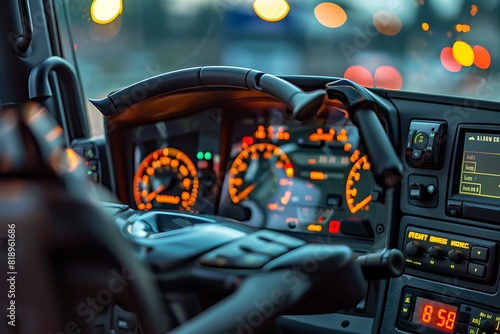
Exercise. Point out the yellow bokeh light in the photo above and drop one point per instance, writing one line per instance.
(330, 15)
(105, 11)
(463, 53)
(425, 26)
(271, 10)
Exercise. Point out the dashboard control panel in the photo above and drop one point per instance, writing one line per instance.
(452, 255)
(428, 313)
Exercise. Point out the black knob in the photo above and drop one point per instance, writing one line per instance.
(486, 325)
(455, 255)
(435, 252)
(413, 249)
(382, 265)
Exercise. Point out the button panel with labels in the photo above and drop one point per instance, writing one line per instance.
(428, 313)
(452, 255)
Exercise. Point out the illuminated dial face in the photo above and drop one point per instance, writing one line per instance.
(166, 179)
(265, 171)
(359, 178)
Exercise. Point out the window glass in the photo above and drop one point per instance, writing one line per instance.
(437, 46)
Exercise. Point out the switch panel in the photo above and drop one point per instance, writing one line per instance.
(425, 144)
(452, 255)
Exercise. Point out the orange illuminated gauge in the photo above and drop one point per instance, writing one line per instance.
(359, 184)
(262, 171)
(166, 179)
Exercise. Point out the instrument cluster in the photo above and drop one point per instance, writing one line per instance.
(272, 172)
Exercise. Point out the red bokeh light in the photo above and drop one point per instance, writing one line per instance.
(388, 77)
(449, 61)
(482, 58)
(360, 75)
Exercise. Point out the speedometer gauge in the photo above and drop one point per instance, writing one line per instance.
(166, 179)
(264, 171)
(358, 185)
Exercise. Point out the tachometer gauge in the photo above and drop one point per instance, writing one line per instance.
(166, 178)
(359, 183)
(264, 171)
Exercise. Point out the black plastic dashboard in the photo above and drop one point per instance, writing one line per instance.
(255, 164)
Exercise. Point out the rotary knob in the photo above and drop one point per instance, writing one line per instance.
(435, 252)
(413, 249)
(455, 255)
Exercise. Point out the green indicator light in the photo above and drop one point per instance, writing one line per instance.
(199, 155)
(208, 155)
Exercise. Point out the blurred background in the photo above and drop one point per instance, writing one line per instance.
(436, 46)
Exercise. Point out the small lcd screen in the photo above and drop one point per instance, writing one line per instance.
(480, 175)
(437, 315)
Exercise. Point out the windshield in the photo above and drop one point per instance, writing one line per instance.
(441, 46)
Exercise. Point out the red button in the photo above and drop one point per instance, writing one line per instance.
(334, 226)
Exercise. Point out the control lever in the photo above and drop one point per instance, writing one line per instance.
(388, 263)
(362, 106)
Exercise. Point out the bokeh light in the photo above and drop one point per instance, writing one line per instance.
(449, 61)
(462, 28)
(463, 53)
(425, 26)
(360, 75)
(388, 77)
(387, 23)
(482, 58)
(105, 11)
(271, 10)
(473, 10)
(330, 15)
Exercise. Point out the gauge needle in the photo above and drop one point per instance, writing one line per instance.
(151, 196)
(361, 204)
(245, 192)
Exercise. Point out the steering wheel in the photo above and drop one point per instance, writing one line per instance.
(267, 274)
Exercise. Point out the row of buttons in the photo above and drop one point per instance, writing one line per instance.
(90, 153)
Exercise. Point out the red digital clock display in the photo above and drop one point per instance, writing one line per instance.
(434, 314)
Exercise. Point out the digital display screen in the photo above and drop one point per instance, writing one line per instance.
(480, 175)
(435, 314)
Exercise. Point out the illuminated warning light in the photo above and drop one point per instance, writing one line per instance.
(320, 135)
(285, 182)
(208, 156)
(260, 133)
(282, 134)
(482, 58)
(463, 53)
(387, 23)
(330, 15)
(425, 26)
(200, 155)
(317, 176)
(311, 161)
(360, 75)
(388, 77)
(272, 206)
(321, 219)
(314, 228)
(247, 140)
(462, 28)
(347, 147)
(342, 136)
(271, 10)
(289, 169)
(449, 61)
(168, 199)
(334, 227)
(105, 11)
(286, 198)
(473, 10)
